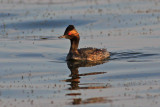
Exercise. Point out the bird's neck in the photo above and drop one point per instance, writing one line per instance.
(74, 45)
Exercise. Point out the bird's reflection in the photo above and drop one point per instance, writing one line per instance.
(77, 101)
(75, 83)
(75, 76)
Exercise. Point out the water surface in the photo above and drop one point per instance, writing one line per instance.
(33, 70)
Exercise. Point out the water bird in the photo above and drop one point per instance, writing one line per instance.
(82, 54)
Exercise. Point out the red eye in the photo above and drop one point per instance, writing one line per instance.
(69, 33)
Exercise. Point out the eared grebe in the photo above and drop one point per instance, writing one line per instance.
(83, 54)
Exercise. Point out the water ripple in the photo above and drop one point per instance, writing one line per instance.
(4, 15)
(47, 23)
(130, 55)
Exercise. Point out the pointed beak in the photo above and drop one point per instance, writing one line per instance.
(61, 37)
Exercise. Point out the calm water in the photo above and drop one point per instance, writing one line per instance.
(33, 70)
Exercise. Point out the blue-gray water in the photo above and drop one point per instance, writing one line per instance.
(33, 70)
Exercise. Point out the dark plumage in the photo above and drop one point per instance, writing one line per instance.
(89, 54)
(69, 28)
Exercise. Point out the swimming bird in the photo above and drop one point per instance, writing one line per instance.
(82, 54)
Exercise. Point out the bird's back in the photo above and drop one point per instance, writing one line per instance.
(89, 54)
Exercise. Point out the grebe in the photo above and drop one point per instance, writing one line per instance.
(82, 54)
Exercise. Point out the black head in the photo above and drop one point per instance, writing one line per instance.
(69, 28)
(70, 33)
